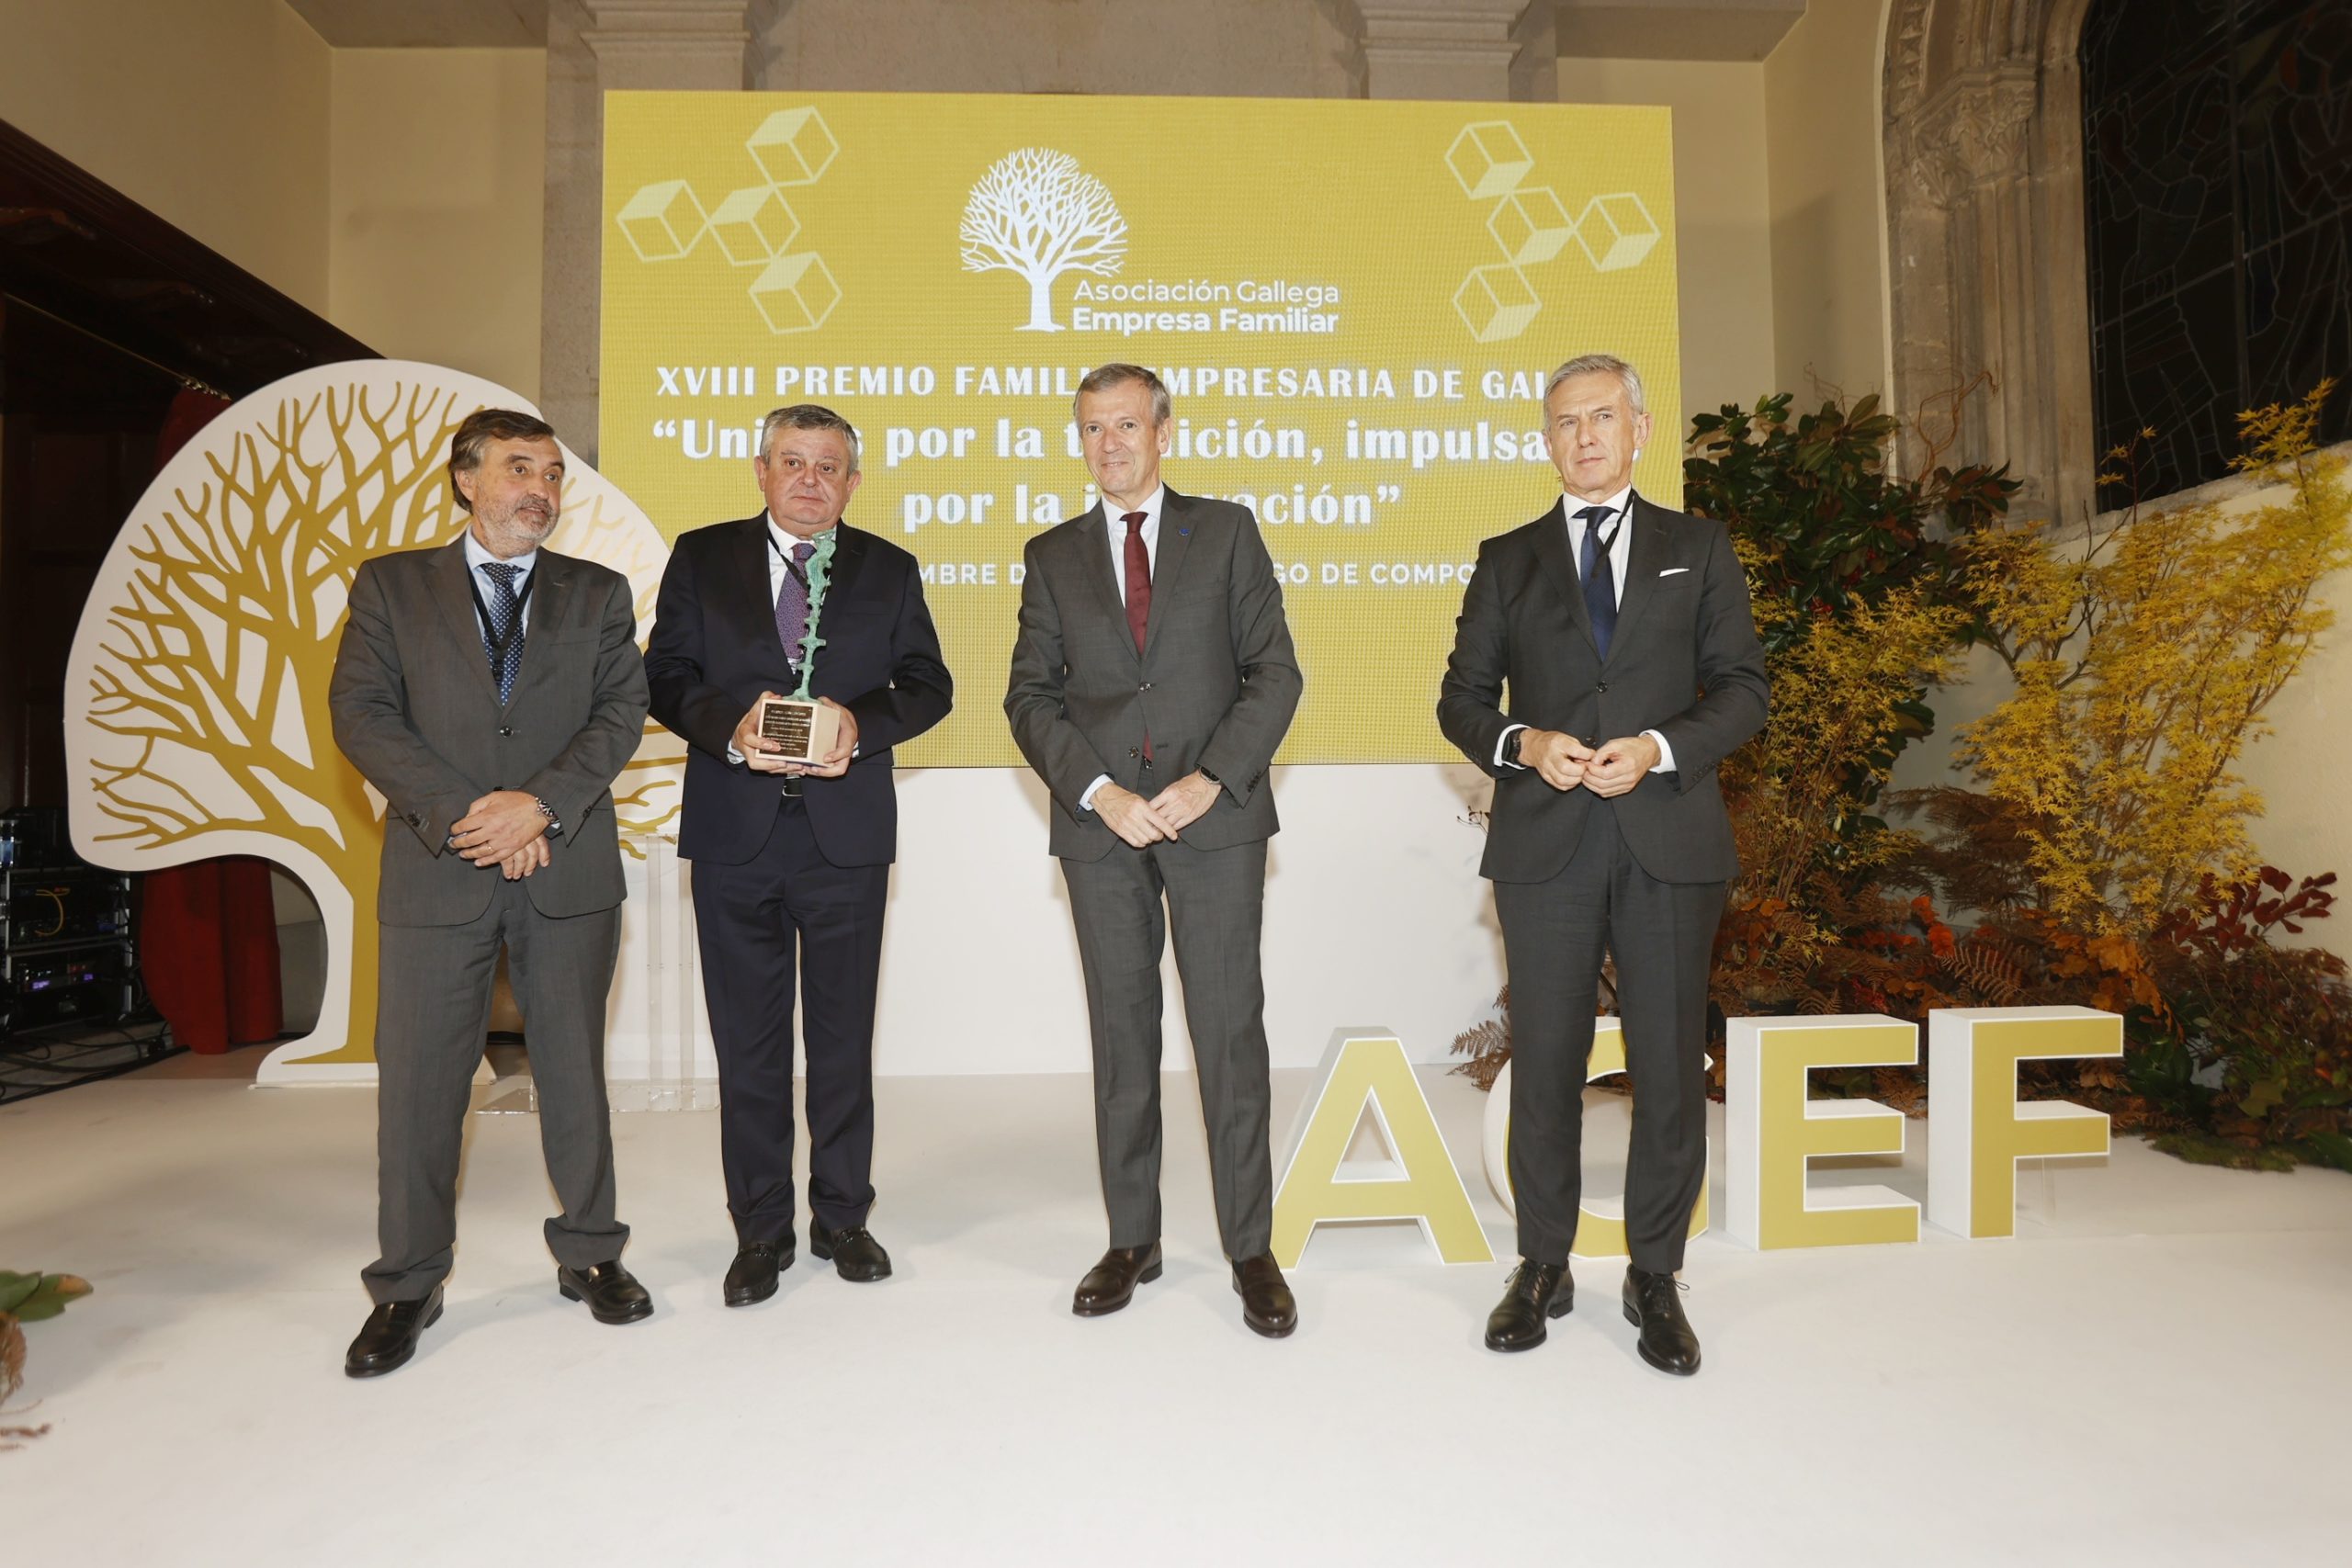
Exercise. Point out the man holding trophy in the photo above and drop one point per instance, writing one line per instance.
(791, 652)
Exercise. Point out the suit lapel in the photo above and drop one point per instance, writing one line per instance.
(1094, 557)
(849, 555)
(1645, 552)
(1175, 535)
(748, 555)
(1552, 555)
(550, 602)
(454, 594)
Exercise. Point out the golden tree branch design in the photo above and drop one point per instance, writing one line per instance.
(207, 697)
(205, 664)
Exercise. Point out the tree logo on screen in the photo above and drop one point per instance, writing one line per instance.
(1037, 213)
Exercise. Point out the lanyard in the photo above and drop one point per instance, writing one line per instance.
(499, 645)
(790, 564)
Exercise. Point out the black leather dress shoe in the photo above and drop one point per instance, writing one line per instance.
(751, 1279)
(388, 1336)
(1653, 1302)
(612, 1293)
(1267, 1305)
(855, 1254)
(1535, 1293)
(1111, 1284)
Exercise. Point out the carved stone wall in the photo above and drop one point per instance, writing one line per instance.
(1982, 109)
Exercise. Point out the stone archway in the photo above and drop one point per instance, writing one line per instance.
(1983, 126)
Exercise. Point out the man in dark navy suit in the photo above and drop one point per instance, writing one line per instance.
(1623, 635)
(789, 854)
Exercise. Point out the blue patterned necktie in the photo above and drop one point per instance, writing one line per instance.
(1600, 575)
(792, 600)
(501, 638)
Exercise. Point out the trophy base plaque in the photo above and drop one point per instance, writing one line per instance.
(805, 730)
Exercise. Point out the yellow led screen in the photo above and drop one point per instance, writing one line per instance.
(1353, 304)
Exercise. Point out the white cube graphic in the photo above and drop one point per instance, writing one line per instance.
(793, 147)
(1488, 159)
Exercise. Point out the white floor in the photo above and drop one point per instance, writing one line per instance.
(2155, 1370)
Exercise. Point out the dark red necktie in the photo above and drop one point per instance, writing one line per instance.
(1139, 590)
(1138, 577)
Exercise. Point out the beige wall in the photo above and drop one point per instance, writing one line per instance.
(1821, 110)
(378, 187)
(1722, 209)
(212, 114)
(434, 214)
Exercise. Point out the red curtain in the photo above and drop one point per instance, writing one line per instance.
(208, 931)
(207, 949)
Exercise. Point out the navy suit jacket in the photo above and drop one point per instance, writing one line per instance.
(715, 649)
(1683, 660)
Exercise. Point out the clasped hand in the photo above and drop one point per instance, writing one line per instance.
(1608, 769)
(758, 753)
(505, 828)
(1164, 816)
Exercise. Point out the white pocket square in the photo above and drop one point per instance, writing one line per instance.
(1669, 571)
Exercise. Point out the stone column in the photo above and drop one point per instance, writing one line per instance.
(595, 46)
(1984, 195)
(1484, 50)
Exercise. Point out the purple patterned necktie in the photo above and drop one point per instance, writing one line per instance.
(792, 601)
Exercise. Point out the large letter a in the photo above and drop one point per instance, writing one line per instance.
(1370, 1070)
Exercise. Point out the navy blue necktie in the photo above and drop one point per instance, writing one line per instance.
(1600, 577)
(501, 638)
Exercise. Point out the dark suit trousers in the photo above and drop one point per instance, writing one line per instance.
(1663, 934)
(1215, 901)
(750, 919)
(429, 1030)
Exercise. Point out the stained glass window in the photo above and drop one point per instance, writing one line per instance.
(2217, 174)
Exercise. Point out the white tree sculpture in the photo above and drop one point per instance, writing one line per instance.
(1037, 213)
(197, 721)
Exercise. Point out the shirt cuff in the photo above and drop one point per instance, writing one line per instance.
(1503, 745)
(1665, 753)
(1086, 801)
(733, 755)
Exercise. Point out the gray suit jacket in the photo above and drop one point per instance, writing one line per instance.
(1683, 660)
(1216, 684)
(417, 712)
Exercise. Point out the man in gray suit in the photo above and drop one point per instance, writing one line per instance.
(1623, 633)
(1152, 679)
(492, 691)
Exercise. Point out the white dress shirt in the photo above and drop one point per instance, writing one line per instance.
(476, 556)
(1620, 552)
(1114, 523)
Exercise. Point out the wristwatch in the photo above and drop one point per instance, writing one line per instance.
(1209, 775)
(1518, 741)
(555, 823)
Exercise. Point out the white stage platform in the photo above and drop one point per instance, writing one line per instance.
(2155, 1370)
